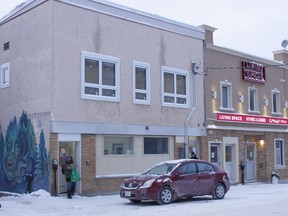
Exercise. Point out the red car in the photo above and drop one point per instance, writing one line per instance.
(170, 180)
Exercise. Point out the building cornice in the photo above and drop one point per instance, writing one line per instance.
(244, 55)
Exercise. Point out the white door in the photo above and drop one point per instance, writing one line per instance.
(250, 161)
(229, 161)
(215, 154)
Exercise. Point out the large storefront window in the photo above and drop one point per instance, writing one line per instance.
(155, 145)
(118, 145)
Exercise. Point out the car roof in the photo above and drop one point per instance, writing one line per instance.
(178, 161)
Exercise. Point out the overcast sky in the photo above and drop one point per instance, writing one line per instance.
(255, 27)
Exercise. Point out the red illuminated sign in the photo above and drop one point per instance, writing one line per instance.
(227, 117)
(253, 72)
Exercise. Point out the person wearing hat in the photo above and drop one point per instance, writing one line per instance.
(67, 167)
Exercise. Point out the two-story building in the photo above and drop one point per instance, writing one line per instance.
(246, 112)
(117, 88)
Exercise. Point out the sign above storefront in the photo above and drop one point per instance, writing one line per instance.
(253, 72)
(227, 117)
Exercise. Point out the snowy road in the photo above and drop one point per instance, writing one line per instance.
(242, 200)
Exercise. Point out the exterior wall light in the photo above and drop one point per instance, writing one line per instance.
(261, 142)
(266, 102)
(241, 98)
(214, 94)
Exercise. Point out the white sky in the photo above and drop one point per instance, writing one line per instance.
(255, 27)
(242, 200)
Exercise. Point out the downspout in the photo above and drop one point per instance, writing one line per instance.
(188, 118)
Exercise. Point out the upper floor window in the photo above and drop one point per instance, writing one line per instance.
(100, 77)
(155, 145)
(5, 75)
(226, 95)
(175, 87)
(141, 83)
(279, 152)
(276, 109)
(253, 99)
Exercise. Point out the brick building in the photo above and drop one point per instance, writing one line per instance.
(246, 112)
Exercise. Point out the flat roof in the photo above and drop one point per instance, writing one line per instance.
(116, 10)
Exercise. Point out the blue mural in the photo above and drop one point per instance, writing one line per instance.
(24, 165)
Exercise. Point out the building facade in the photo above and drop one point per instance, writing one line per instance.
(246, 112)
(118, 89)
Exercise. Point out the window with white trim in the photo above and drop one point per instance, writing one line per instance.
(276, 108)
(253, 99)
(100, 77)
(175, 87)
(226, 95)
(141, 83)
(279, 152)
(5, 75)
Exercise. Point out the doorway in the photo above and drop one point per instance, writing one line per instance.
(229, 161)
(249, 157)
(215, 154)
(73, 149)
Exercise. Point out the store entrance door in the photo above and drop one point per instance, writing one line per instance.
(215, 154)
(67, 148)
(229, 161)
(249, 156)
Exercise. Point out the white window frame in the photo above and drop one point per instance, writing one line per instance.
(280, 153)
(176, 72)
(146, 66)
(278, 104)
(5, 76)
(100, 58)
(255, 101)
(229, 96)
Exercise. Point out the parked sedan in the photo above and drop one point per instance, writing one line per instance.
(171, 180)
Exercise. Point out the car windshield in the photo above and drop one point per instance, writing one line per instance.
(161, 169)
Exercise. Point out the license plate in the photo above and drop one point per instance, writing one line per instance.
(127, 193)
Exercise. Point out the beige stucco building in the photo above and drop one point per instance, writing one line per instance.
(117, 88)
(246, 112)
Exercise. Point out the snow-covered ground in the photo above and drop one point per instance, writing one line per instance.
(241, 200)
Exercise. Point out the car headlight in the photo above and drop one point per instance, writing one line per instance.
(148, 183)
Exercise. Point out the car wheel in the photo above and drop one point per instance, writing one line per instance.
(219, 191)
(134, 201)
(165, 195)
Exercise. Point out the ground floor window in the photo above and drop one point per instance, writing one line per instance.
(118, 145)
(155, 145)
(279, 152)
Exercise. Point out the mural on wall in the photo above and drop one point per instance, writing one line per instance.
(24, 165)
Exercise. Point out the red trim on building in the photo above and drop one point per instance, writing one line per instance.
(227, 117)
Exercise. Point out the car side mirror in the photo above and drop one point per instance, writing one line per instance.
(180, 172)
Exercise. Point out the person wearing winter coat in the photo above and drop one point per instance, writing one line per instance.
(67, 167)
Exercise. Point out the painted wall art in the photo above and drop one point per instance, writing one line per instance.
(24, 163)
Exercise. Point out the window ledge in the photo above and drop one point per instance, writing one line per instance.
(280, 167)
(227, 109)
(277, 113)
(254, 111)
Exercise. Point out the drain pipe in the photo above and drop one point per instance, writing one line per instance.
(188, 118)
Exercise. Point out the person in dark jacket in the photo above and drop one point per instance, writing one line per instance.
(67, 167)
(193, 155)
